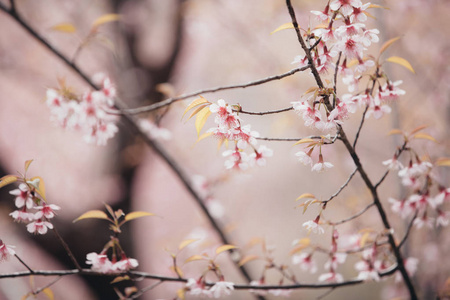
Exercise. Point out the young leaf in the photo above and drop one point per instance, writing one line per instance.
(395, 131)
(185, 243)
(177, 271)
(196, 102)
(137, 214)
(203, 136)
(181, 294)
(424, 136)
(304, 141)
(8, 179)
(305, 195)
(282, 27)
(197, 110)
(388, 44)
(49, 293)
(247, 258)
(120, 278)
(201, 118)
(443, 161)
(41, 187)
(64, 27)
(105, 19)
(402, 62)
(417, 129)
(310, 90)
(377, 6)
(92, 214)
(224, 248)
(193, 258)
(27, 164)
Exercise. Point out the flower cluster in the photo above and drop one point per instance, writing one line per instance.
(342, 31)
(417, 177)
(199, 287)
(154, 131)
(101, 263)
(32, 208)
(229, 128)
(88, 113)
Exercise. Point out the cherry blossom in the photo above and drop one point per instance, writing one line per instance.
(100, 262)
(23, 196)
(314, 226)
(39, 226)
(5, 251)
(22, 216)
(321, 166)
(345, 6)
(154, 131)
(125, 264)
(423, 221)
(305, 261)
(259, 156)
(304, 158)
(46, 210)
(221, 288)
(331, 277)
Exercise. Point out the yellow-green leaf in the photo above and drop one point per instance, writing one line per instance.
(304, 141)
(8, 179)
(377, 6)
(49, 293)
(27, 164)
(417, 129)
(201, 118)
(388, 44)
(181, 294)
(204, 136)
(193, 258)
(105, 19)
(305, 195)
(304, 241)
(92, 214)
(197, 110)
(65, 27)
(395, 131)
(284, 26)
(224, 248)
(310, 90)
(196, 102)
(177, 271)
(402, 62)
(424, 136)
(246, 259)
(120, 278)
(443, 161)
(186, 243)
(364, 239)
(137, 214)
(40, 189)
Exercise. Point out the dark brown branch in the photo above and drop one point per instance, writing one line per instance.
(142, 275)
(360, 126)
(408, 230)
(172, 100)
(66, 247)
(23, 263)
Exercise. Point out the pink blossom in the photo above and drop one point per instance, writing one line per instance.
(100, 262)
(313, 226)
(5, 251)
(237, 159)
(221, 288)
(280, 292)
(321, 165)
(305, 261)
(22, 215)
(260, 155)
(358, 13)
(304, 158)
(197, 287)
(334, 260)
(411, 264)
(39, 226)
(154, 131)
(345, 6)
(423, 221)
(442, 218)
(331, 277)
(393, 164)
(369, 36)
(23, 196)
(47, 211)
(401, 207)
(125, 264)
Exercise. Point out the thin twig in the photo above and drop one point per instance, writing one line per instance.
(335, 73)
(408, 230)
(66, 247)
(360, 126)
(342, 187)
(47, 285)
(89, 272)
(23, 263)
(169, 101)
(353, 216)
(143, 290)
(320, 297)
(264, 112)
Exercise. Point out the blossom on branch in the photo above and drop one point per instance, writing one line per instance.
(5, 251)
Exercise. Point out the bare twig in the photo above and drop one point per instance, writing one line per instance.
(264, 112)
(143, 290)
(360, 126)
(320, 297)
(341, 188)
(408, 230)
(68, 251)
(353, 216)
(169, 101)
(23, 263)
(47, 285)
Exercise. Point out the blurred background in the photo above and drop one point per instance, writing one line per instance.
(187, 46)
